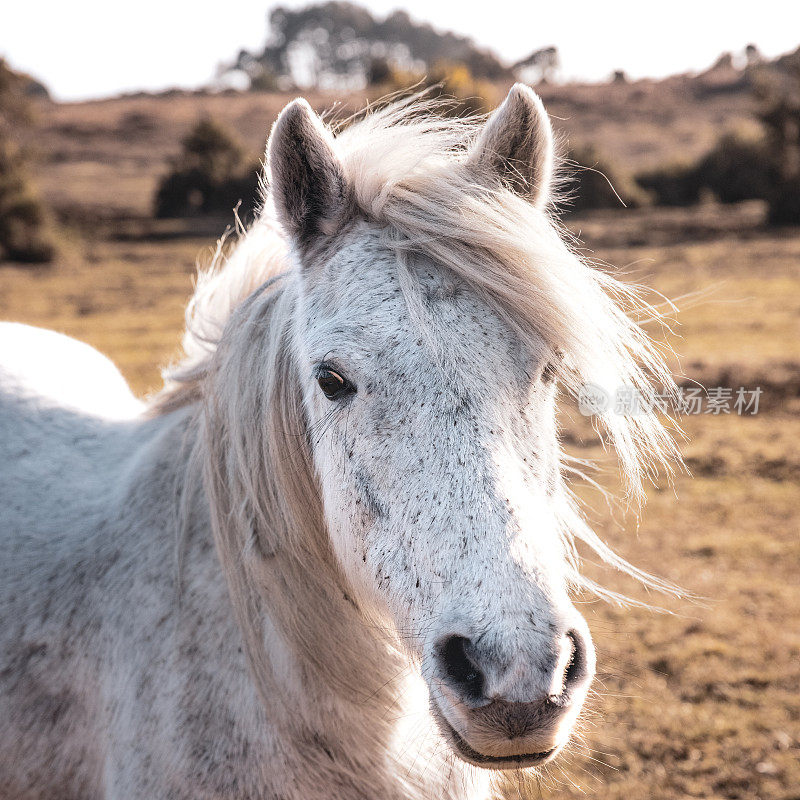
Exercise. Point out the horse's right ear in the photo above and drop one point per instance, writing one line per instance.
(306, 179)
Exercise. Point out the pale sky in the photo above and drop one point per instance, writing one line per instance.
(93, 48)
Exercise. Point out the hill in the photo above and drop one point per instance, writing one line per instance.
(103, 158)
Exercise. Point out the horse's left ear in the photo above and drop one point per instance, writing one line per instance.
(306, 178)
(516, 146)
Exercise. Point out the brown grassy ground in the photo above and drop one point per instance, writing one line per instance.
(703, 702)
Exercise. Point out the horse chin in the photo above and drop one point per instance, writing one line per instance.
(467, 753)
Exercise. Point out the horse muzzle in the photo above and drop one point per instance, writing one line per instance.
(511, 713)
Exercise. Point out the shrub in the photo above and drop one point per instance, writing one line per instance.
(741, 169)
(472, 96)
(379, 72)
(672, 185)
(594, 183)
(25, 233)
(211, 175)
(264, 80)
(452, 81)
(210, 149)
(779, 93)
(190, 193)
(736, 169)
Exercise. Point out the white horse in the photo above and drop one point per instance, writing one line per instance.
(334, 557)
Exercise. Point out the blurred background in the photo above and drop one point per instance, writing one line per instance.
(128, 136)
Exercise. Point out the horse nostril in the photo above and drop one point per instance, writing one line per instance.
(459, 668)
(577, 668)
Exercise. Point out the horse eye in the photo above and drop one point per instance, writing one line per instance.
(333, 385)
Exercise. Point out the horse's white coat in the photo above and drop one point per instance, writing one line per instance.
(283, 645)
(70, 373)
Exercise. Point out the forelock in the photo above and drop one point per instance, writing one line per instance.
(409, 173)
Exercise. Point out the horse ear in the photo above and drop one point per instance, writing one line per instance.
(306, 178)
(516, 146)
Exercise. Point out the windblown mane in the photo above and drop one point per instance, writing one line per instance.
(409, 174)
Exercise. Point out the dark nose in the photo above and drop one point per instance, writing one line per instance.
(465, 668)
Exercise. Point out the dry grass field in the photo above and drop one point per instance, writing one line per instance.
(700, 702)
